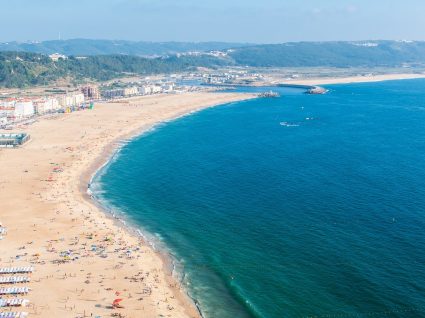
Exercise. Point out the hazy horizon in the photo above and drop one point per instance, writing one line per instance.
(212, 41)
(271, 21)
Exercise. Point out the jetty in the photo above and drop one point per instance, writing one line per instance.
(317, 90)
(310, 89)
(269, 94)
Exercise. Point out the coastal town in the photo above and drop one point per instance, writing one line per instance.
(21, 110)
(21, 107)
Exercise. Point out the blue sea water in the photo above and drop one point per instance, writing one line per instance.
(300, 206)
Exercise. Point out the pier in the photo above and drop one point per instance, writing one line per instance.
(310, 89)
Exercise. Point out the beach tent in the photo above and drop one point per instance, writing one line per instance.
(116, 303)
(16, 270)
(14, 280)
(13, 314)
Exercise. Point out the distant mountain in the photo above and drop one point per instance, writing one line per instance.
(19, 69)
(107, 47)
(333, 54)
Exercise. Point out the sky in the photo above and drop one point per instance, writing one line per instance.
(247, 21)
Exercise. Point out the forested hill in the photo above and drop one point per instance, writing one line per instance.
(86, 47)
(335, 54)
(19, 69)
(26, 69)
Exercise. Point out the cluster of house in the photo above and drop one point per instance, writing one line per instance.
(137, 90)
(231, 77)
(15, 109)
(199, 53)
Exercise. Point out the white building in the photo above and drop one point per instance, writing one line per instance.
(156, 89)
(45, 105)
(77, 99)
(71, 100)
(3, 119)
(145, 90)
(56, 56)
(65, 101)
(24, 108)
(168, 87)
(9, 103)
(131, 91)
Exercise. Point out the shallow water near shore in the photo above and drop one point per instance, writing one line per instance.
(299, 206)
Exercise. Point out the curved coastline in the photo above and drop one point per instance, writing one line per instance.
(109, 154)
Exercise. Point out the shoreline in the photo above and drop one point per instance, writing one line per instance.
(310, 83)
(101, 164)
(355, 79)
(57, 214)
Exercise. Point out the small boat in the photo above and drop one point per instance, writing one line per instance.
(286, 124)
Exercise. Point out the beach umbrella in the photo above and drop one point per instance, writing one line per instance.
(116, 302)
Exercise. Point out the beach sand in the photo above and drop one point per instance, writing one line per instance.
(45, 208)
(354, 79)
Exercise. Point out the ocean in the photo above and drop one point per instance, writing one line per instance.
(298, 206)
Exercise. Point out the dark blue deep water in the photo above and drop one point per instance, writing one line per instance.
(301, 206)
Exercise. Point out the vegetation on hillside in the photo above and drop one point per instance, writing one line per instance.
(20, 69)
(28, 69)
(84, 47)
(331, 54)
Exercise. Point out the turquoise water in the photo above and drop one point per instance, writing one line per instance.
(271, 214)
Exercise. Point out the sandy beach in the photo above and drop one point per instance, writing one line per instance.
(355, 79)
(83, 259)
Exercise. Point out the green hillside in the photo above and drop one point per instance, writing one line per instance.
(20, 69)
(108, 47)
(333, 54)
(25, 69)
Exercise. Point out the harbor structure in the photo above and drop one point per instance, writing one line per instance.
(269, 94)
(317, 90)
